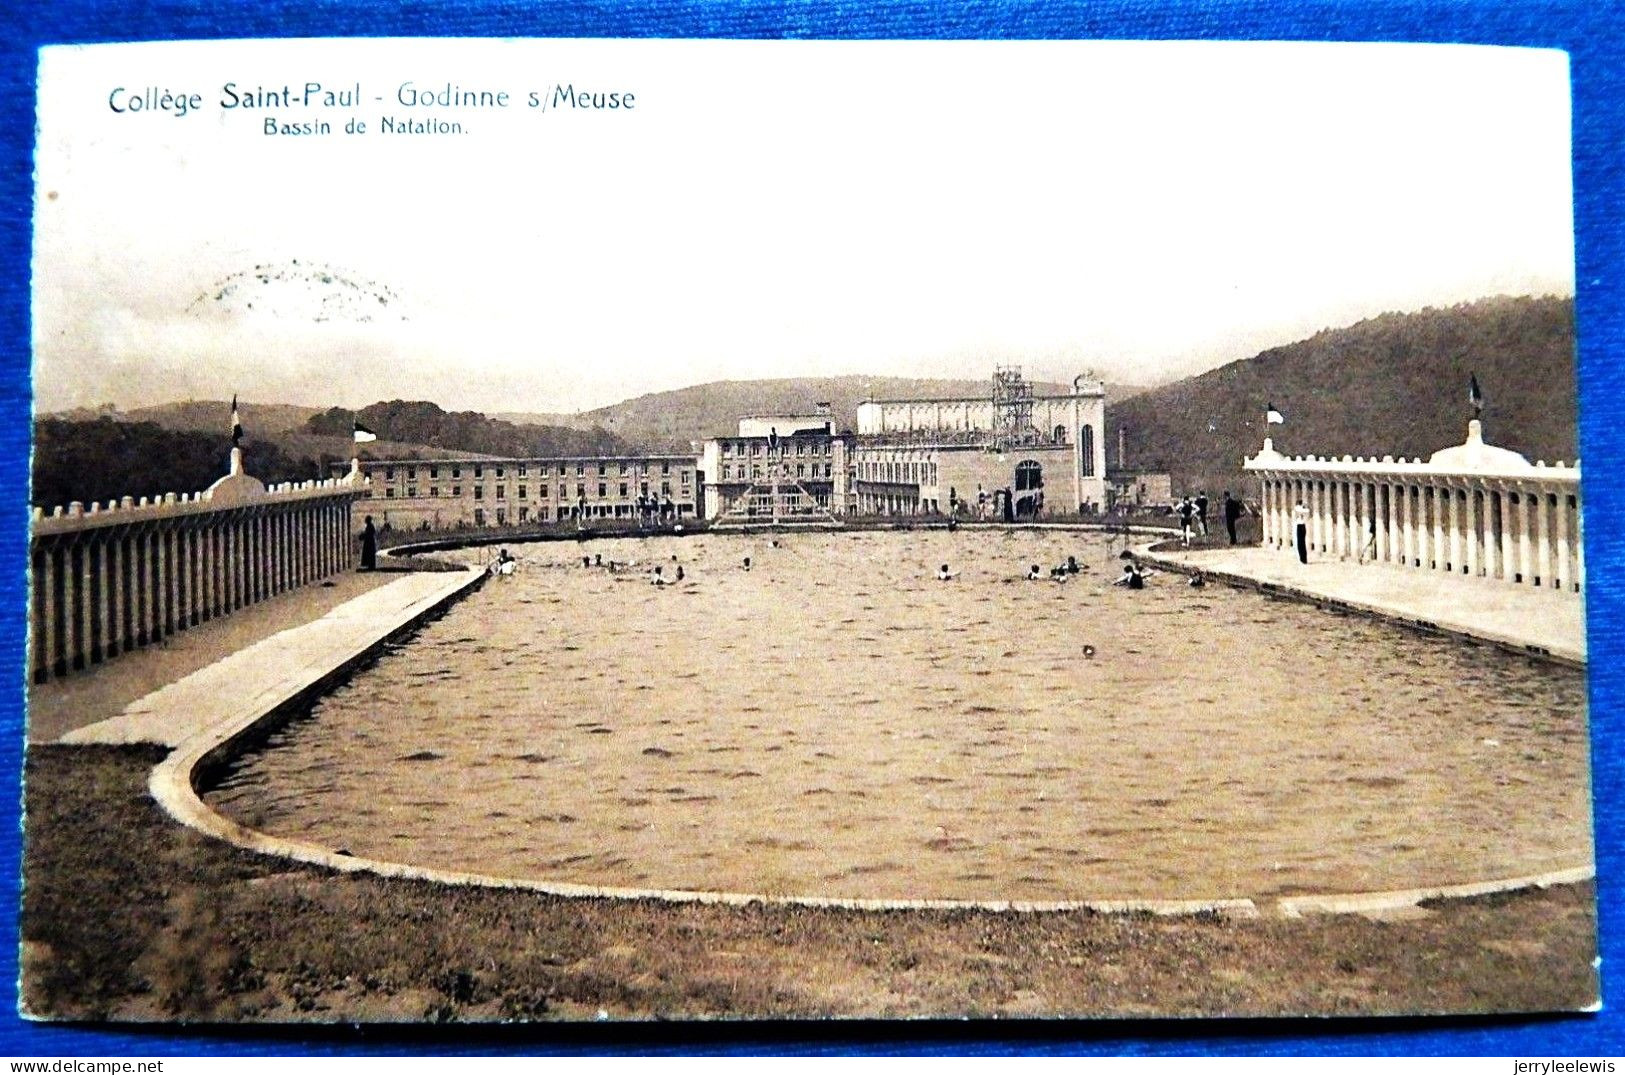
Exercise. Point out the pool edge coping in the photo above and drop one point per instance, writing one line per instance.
(1560, 655)
(173, 784)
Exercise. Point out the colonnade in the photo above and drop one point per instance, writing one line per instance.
(109, 580)
(1520, 524)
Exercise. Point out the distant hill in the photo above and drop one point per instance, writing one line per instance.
(671, 420)
(1391, 385)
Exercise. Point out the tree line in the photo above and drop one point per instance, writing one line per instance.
(421, 422)
(104, 460)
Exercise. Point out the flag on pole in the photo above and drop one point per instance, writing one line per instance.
(363, 434)
(1474, 395)
(1274, 417)
(236, 424)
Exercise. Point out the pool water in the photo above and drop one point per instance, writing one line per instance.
(835, 721)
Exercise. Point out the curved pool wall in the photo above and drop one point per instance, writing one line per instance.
(224, 753)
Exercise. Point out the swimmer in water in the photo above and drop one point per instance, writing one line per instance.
(944, 575)
(1198, 580)
(1131, 577)
(1072, 567)
(658, 579)
(1032, 574)
(679, 572)
(747, 563)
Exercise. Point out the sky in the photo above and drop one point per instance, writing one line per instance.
(765, 209)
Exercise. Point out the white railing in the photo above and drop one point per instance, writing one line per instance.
(111, 578)
(1472, 510)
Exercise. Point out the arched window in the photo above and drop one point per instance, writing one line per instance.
(1086, 442)
(1060, 434)
(1029, 475)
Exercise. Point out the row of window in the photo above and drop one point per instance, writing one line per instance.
(522, 469)
(601, 511)
(755, 472)
(916, 473)
(523, 491)
(757, 447)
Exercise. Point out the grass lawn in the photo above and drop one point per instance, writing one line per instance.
(129, 916)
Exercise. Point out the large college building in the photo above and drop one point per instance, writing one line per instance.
(439, 494)
(1009, 455)
(783, 466)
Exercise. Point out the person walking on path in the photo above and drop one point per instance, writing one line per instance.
(1232, 511)
(1201, 511)
(369, 547)
(1300, 527)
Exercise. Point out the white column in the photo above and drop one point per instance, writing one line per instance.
(103, 612)
(1345, 518)
(1526, 552)
(117, 559)
(1543, 540)
(1579, 542)
(1379, 503)
(1334, 505)
(1563, 573)
(73, 635)
(192, 575)
(1407, 528)
(1317, 515)
(1266, 518)
(1509, 537)
(1282, 512)
(45, 622)
(1492, 548)
(1442, 507)
(1362, 518)
(1470, 532)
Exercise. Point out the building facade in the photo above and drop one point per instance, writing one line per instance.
(1126, 489)
(1011, 455)
(444, 494)
(794, 465)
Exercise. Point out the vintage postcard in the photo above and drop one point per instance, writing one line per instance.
(581, 529)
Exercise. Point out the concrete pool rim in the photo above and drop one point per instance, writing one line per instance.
(176, 781)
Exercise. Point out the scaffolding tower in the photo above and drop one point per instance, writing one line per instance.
(1012, 410)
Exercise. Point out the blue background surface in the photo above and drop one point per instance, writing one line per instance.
(1590, 32)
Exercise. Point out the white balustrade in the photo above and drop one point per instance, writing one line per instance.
(1473, 510)
(109, 579)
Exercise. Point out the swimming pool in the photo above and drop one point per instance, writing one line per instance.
(837, 722)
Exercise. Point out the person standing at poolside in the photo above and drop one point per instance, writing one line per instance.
(369, 547)
(1201, 511)
(1232, 511)
(1186, 511)
(1300, 527)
